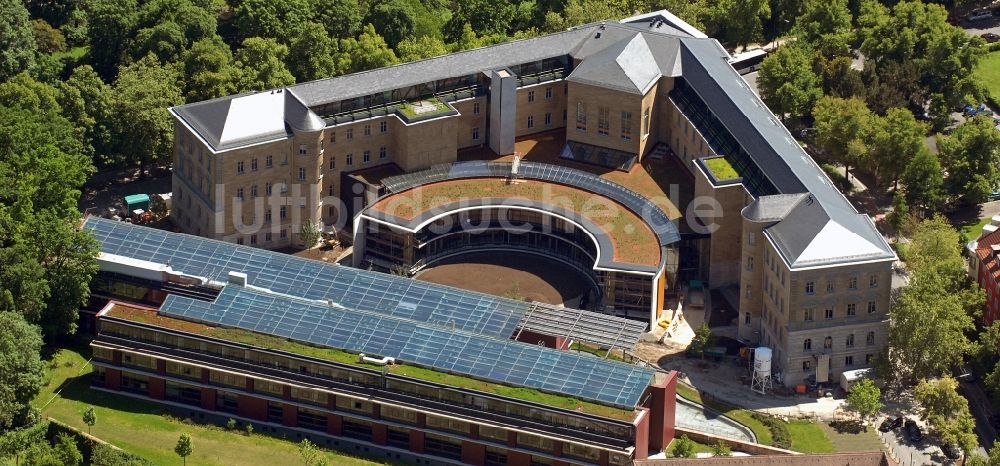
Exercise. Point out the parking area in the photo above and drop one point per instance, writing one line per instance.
(908, 452)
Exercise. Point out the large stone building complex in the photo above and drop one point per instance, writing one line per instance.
(648, 106)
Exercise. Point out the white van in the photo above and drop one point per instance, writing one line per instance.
(980, 15)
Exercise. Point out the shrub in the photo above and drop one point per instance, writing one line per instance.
(780, 437)
(682, 447)
(249, 429)
(722, 449)
(104, 455)
(231, 424)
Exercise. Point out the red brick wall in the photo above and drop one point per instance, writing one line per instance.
(253, 408)
(113, 377)
(289, 415)
(208, 398)
(473, 453)
(157, 388)
(517, 458)
(991, 312)
(642, 434)
(416, 441)
(662, 413)
(380, 434)
(334, 424)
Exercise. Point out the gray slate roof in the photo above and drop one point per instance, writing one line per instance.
(627, 66)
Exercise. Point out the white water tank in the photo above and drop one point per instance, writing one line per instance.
(762, 361)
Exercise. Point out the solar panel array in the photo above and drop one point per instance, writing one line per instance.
(491, 359)
(282, 273)
(665, 230)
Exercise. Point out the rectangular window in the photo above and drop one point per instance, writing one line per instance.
(531, 96)
(267, 216)
(807, 344)
(239, 193)
(475, 134)
(239, 168)
(368, 130)
(267, 236)
(829, 286)
(302, 174)
(239, 241)
(645, 122)
(333, 137)
(253, 191)
(350, 160)
(849, 361)
(268, 188)
(548, 92)
(382, 154)
(350, 133)
(852, 283)
(810, 287)
(849, 342)
(366, 156)
(475, 108)
(253, 239)
(333, 162)
(329, 190)
(603, 125)
(581, 116)
(750, 238)
(627, 127)
(807, 314)
(269, 161)
(749, 262)
(302, 149)
(871, 307)
(548, 119)
(828, 313)
(746, 318)
(852, 309)
(253, 165)
(806, 366)
(383, 127)
(828, 343)
(531, 121)
(331, 211)
(873, 281)
(282, 214)
(284, 233)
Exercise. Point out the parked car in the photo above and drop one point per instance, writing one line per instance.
(951, 451)
(913, 431)
(891, 424)
(980, 15)
(990, 37)
(975, 110)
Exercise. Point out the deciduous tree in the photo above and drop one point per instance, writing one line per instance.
(18, 39)
(971, 158)
(897, 138)
(947, 412)
(787, 82)
(314, 55)
(412, 49)
(111, 24)
(260, 65)
(369, 51)
(22, 371)
(843, 130)
(865, 399)
(208, 65)
(184, 447)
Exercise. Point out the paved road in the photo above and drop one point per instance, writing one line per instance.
(980, 27)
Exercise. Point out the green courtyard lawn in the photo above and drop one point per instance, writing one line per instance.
(973, 230)
(809, 437)
(145, 429)
(988, 71)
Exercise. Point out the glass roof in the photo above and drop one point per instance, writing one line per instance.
(492, 359)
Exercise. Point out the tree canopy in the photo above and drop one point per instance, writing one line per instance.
(22, 371)
(787, 82)
(971, 158)
(947, 412)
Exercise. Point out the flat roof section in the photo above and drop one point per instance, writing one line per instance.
(631, 238)
(348, 287)
(497, 360)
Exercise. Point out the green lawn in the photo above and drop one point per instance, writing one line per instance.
(850, 442)
(973, 230)
(721, 168)
(809, 437)
(988, 71)
(143, 428)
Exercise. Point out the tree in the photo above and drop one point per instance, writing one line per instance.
(900, 216)
(843, 129)
(341, 18)
(184, 448)
(66, 451)
(22, 371)
(897, 138)
(971, 158)
(865, 399)
(930, 320)
(682, 447)
(826, 25)
(741, 21)
(721, 448)
(787, 82)
(314, 55)
(209, 70)
(76, 27)
(412, 49)
(18, 39)
(840, 79)
(143, 128)
(165, 40)
(311, 456)
(369, 51)
(947, 412)
(310, 234)
(260, 65)
(468, 40)
(923, 180)
(395, 18)
(702, 340)
(84, 101)
(17, 442)
(111, 24)
(90, 418)
(485, 17)
(47, 38)
(273, 20)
